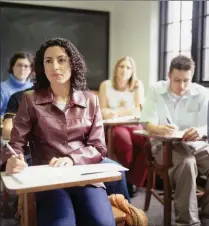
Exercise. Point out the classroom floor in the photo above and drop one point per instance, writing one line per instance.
(155, 213)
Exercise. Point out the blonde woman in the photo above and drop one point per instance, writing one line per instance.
(124, 96)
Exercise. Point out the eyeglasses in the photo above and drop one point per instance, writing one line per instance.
(26, 66)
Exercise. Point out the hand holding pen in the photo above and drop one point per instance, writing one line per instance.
(16, 162)
(166, 130)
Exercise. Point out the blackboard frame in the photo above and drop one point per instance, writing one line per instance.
(69, 10)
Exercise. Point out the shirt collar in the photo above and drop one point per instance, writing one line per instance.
(46, 96)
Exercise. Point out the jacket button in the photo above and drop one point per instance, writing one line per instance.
(71, 104)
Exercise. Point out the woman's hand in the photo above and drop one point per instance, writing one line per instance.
(16, 164)
(124, 112)
(109, 114)
(62, 161)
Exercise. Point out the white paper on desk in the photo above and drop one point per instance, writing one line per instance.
(178, 134)
(120, 119)
(36, 175)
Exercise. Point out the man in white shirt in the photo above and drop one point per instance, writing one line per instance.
(182, 104)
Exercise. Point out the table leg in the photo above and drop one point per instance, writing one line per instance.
(167, 162)
(29, 214)
(110, 149)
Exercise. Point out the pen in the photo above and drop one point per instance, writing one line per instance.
(168, 121)
(90, 173)
(4, 144)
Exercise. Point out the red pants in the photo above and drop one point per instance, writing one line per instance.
(128, 149)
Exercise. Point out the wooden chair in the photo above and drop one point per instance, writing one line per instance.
(164, 197)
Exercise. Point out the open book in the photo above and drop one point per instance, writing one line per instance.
(40, 175)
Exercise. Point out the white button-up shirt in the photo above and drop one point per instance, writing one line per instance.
(187, 111)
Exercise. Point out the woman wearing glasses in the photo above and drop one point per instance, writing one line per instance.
(20, 69)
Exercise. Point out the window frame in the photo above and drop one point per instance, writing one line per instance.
(198, 33)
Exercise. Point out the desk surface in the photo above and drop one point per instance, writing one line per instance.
(127, 120)
(13, 186)
(162, 138)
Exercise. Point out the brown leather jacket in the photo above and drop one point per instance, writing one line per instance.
(77, 133)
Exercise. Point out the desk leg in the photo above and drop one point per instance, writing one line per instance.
(109, 142)
(5, 201)
(167, 161)
(110, 149)
(29, 214)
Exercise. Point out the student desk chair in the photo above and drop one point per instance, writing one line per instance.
(165, 197)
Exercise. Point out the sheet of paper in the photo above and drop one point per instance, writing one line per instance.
(178, 134)
(36, 175)
(121, 119)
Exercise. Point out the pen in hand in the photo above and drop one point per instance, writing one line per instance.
(16, 163)
(168, 121)
(4, 144)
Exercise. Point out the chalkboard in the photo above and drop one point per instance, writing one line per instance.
(25, 27)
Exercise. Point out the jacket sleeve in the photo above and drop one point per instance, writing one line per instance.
(12, 107)
(95, 149)
(21, 130)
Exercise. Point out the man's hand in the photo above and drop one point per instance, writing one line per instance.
(191, 135)
(16, 164)
(165, 130)
(57, 162)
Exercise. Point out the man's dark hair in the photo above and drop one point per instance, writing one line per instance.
(182, 62)
(77, 64)
(21, 55)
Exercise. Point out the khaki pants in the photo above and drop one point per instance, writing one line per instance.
(186, 165)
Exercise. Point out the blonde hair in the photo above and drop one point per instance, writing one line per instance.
(133, 82)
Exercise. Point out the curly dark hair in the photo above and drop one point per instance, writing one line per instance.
(77, 63)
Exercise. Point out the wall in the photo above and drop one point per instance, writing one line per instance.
(133, 31)
(136, 34)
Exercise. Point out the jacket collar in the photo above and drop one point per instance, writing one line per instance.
(78, 98)
(45, 96)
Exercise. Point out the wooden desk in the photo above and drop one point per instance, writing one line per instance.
(153, 167)
(121, 121)
(167, 145)
(28, 192)
(111, 123)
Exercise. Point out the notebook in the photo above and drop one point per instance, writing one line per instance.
(40, 175)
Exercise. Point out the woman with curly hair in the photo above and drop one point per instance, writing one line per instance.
(64, 122)
(121, 96)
